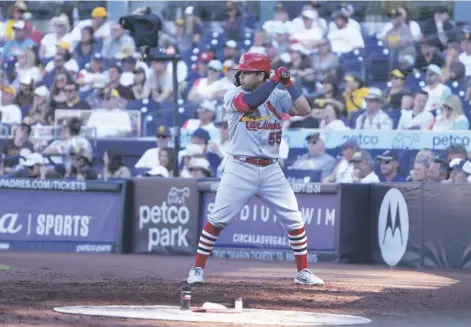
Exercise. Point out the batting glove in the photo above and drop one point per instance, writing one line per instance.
(283, 76)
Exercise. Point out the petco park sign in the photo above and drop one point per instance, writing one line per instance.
(165, 215)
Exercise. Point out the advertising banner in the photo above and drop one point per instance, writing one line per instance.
(447, 226)
(397, 226)
(165, 215)
(59, 221)
(257, 227)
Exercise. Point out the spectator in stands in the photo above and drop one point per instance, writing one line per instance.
(460, 171)
(115, 43)
(82, 161)
(150, 158)
(429, 54)
(344, 169)
(363, 168)
(193, 25)
(167, 159)
(407, 102)
(451, 117)
(348, 10)
(19, 8)
(230, 51)
(413, 26)
(114, 168)
(73, 100)
(86, 47)
(202, 138)
(280, 19)
(182, 67)
(420, 171)
(260, 39)
(31, 31)
(438, 171)
(465, 56)
(40, 112)
(300, 65)
(325, 63)
(26, 66)
(299, 23)
(206, 111)
(25, 94)
(344, 39)
(58, 95)
(400, 40)
(111, 121)
(226, 82)
(394, 93)
(199, 168)
(234, 26)
(36, 168)
(98, 21)
(355, 92)
(10, 113)
(70, 65)
(207, 88)
(60, 26)
(440, 27)
(309, 33)
(374, 118)
(20, 42)
(416, 118)
(456, 151)
(69, 140)
(114, 75)
(316, 157)
(190, 151)
(329, 94)
(389, 165)
(437, 91)
(138, 88)
(454, 70)
(273, 53)
(160, 82)
(180, 37)
(331, 120)
(281, 40)
(93, 77)
(19, 145)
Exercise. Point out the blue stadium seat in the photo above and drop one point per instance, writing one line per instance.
(353, 117)
(395, 115)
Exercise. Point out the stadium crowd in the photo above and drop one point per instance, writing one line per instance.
(86, 80)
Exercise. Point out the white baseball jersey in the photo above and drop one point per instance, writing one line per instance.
(257, 134)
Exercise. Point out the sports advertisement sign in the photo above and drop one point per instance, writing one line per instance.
(43, 220)
(165, 215)
(257, 227)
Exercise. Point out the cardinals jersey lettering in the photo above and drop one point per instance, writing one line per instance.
(257, 134)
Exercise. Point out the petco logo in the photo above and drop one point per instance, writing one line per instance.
(440, 142)
(403, 141)
(171, 212)
(177, 196)
(9, 224)
(362, 139)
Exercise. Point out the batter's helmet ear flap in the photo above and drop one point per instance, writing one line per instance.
(236, 79)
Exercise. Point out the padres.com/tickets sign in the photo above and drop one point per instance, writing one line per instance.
(165, 218)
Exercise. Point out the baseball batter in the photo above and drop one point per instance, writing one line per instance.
(254, 111)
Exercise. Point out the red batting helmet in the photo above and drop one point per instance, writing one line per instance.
(252, 62)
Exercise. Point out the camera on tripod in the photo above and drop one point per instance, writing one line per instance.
(144, 27)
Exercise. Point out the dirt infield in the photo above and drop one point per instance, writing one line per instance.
(390, 297)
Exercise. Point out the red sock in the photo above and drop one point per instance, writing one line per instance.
(208, 238)
(298, 242)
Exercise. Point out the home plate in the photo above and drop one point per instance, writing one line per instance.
(247, 316)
